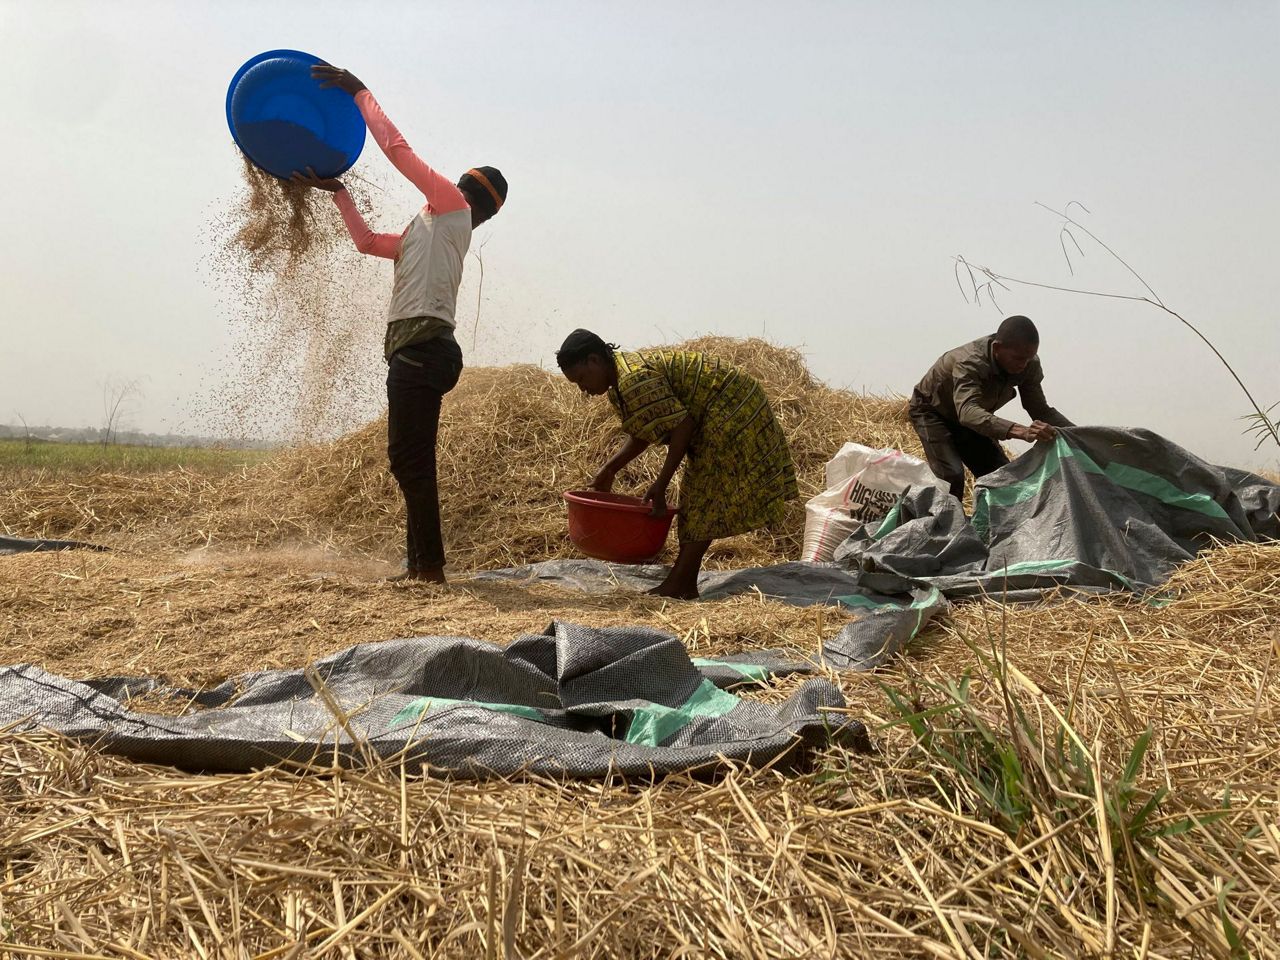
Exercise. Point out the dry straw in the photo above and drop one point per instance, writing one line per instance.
(1103, 783)
(512, 440)
(898, 854)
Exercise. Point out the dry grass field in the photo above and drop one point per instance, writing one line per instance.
(1073, 779)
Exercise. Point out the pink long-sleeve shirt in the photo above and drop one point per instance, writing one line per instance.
(429, 253)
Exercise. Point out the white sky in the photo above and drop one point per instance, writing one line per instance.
(804, 171)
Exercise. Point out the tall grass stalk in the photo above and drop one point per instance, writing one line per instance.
(1263, 425)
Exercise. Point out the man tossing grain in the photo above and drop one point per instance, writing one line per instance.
(424, 360)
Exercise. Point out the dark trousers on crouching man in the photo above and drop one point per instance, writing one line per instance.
(418, 377)
(950, 447)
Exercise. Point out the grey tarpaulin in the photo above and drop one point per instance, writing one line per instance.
(1095, 509)
(886, 616)
(11, 545)
(571, 702)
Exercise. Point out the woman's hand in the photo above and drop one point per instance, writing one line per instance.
(330, 76)
(604, 479)
(657, 495)
(309, 179)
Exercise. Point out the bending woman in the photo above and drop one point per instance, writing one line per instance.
(424, 361)
(738, 472)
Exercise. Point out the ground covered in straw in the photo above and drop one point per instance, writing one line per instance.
(1072, 779)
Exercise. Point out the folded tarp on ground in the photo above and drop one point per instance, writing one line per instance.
(886, 619)
(571, 702)
(1097, 509)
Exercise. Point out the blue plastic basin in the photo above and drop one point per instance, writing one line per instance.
(283, 121)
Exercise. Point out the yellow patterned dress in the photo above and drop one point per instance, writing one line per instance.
(738, 474)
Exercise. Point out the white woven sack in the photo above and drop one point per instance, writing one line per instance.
(862, 485)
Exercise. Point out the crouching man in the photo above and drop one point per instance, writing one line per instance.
(953, 407)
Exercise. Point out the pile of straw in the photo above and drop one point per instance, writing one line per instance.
(512, 440)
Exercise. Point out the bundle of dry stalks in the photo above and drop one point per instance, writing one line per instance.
(513, 439)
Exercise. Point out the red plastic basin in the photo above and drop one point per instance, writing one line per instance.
(614, 527)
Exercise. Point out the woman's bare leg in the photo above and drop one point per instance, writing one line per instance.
(682, 581)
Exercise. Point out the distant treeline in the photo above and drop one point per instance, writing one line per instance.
(45, 434)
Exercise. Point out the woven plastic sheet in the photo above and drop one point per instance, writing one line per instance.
(571, 702)
(884, 620)
(1097, 509)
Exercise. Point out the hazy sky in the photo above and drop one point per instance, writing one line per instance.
(805, 171)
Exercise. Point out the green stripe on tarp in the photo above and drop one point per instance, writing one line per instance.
(751, 671)
(1054, 566)
(1122, 475)
(892, 520)
(867, 603)
(1036, 566)
(1007, 496)
(1131, 478)
(932, 598)
(418, 708)
(652, 725)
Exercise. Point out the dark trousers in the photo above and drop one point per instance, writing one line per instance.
(950, 447)
(417, 379)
